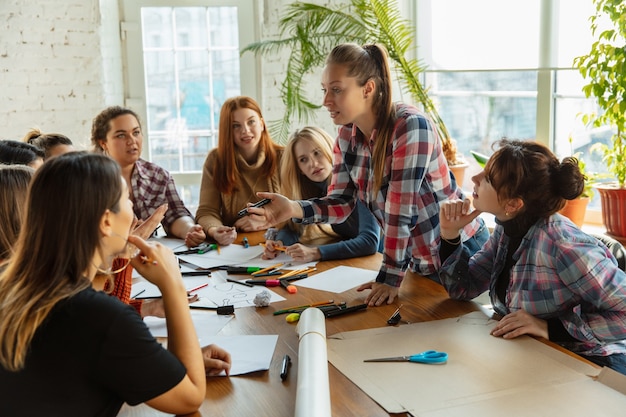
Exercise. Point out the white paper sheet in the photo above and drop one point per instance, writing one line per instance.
(207, 325)
(222, 293)
(228, 255)
(249, 353)
(338, 279)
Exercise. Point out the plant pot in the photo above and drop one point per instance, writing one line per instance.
(459, 173)
(575, 210)
(613, 200)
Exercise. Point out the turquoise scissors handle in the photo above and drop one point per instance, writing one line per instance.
(430, 356)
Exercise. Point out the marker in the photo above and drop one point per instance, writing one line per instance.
(244, 211)
(269, 274)
(246, 244)
(266, 282)
(196, 273)
(239, 282)
(197, 288)
(291, 289)
(286, 310)
(242, 269)
(284, 369)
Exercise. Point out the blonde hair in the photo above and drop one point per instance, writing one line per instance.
(14, 180)
(294, 184)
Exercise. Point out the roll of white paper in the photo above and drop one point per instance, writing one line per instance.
(313, 393)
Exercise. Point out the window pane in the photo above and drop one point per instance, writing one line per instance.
(187, 69)
(489, 34)
(482, 107)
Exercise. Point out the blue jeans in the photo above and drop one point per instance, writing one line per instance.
(617, 362)
(473, 245)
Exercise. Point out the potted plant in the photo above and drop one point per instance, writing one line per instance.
(605, 69)
(310, 31)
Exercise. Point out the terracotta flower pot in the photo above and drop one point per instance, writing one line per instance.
(459, 173)
(613, 200)
(575, 210)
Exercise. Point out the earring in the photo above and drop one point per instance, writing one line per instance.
(506, 213)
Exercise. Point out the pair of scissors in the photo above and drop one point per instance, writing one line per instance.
(429, 357)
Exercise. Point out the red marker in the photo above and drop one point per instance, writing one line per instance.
(266, 282)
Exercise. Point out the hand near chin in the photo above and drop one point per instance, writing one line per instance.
(454, 215)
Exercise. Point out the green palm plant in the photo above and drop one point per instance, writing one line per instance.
(311, 31)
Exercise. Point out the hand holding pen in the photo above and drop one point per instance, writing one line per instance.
(223, 235)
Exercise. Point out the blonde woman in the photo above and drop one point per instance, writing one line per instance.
(306, 171)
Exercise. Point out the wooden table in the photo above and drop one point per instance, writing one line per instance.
(264, 394)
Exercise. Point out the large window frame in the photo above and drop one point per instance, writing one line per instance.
(134, 75)
(547, 70)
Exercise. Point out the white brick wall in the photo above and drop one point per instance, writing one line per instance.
(60, 64)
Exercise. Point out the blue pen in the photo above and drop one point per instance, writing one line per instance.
(245, 243)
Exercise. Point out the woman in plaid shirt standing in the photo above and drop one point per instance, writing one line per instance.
(545, 276)
(389, 157)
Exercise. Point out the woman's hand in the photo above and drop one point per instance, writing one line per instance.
(455, 215)
(379, 294)
(270, 251)
(519, 323)
(302, 253)
(145, 228)
(156, 263)
(250, 223)
(195, 236)
(223, 235)
(216, 360)
(280, 209)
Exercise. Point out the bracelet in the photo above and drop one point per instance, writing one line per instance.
(455, 241)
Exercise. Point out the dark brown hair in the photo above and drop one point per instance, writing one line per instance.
(530, 171)
(101, 125)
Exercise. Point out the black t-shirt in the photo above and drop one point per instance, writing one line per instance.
(91, 354)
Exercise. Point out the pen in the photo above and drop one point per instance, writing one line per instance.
(239, 282)
(286, 310)
(246, 244)
(196, 273)
(139, 293)
(294, 272)
(261, 203)
(269, 268)
(284, 369)
(346, 310)
(197, 288)
(269, 274)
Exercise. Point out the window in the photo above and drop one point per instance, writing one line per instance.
(182, 63)
(506, 69)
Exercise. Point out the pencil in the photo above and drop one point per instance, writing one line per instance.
(269, 268)
(197, 288)
(294, 272)
(278, 248)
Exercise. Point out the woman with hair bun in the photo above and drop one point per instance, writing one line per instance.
(545, 277)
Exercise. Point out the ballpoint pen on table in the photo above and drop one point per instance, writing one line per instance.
(236, 281)
(345, 310)
(139, 293)
(287, 310)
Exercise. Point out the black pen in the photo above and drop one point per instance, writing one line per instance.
(239, 282)
(340, 311)
(261, 203)
(284, 369)
(196, 273)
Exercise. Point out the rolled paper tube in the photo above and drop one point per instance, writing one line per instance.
(313, 392)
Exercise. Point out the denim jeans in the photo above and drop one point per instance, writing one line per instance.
(617, 362)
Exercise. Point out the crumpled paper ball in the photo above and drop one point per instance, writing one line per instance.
(262, 299)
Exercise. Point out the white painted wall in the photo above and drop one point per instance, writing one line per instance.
(60, 64)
